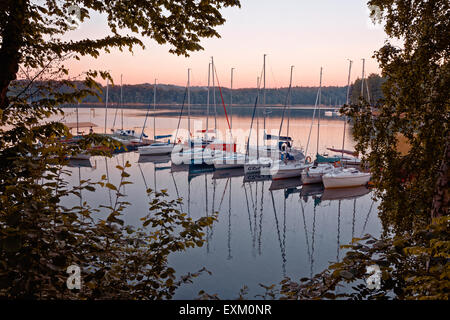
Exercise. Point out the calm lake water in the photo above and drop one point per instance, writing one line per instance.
(265, 230)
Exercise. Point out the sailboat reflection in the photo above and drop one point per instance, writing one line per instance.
(251, 198)
(256, 177)
(281, 241)
(179, 167)
(228, 173)
(260, 220)
(345, 193)
(311, 190)
(154, 159)
(199, 170)
(290, 186)
(285, 184)
(319, 194)
(80, 163)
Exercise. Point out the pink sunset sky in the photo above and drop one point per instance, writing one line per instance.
(306, 34)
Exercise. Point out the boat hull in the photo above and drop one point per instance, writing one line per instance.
(256, 168)
(155, 150)
(288, 170)
(314, 174)
(311, 178)
(286, 174)
(345, 181)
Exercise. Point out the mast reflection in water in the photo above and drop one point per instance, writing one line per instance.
(266, 230)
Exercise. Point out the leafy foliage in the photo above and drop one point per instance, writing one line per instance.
(39, 236)
(413, 253)
(374, 84)
(414, 266)
(415, 106)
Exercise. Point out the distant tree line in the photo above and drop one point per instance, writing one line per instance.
(172, 94)
(374, 82)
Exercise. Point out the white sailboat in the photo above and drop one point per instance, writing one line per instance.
(258, 164)
(348, 177)
(159, 147)
(231, 160)
(85, 155)
(345, 177)
(122, 135)
(194, 153)
(314, 174)
(288, 168)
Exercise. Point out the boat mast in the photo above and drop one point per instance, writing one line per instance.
(154, 110)
(289, 101)
(231, 100)
(367, 84)
(207, 100)
(78, 129)
(257, 119)
(145, 122)
(264, 96)
(362, 78)
(214, 96)
(189, 105)
(346, 103)
(286, 103)
(121, 99)
(314, 115)
(318, 116)
(106, 103)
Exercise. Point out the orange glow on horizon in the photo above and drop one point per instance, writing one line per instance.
(296, 37)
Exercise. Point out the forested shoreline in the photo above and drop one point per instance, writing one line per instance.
(142, 94)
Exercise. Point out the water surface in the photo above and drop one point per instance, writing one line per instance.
(265, 230)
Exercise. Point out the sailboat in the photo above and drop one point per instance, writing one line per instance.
(323, 164)
(231, 160)
(159, 147)
(85, 155)
(314, 174)
(321, 158)
(195, 154)
(287, 167)
(345, 177)
(203, 140)
(123, 134)
(270, 150)
(256, 165)
(216, 144)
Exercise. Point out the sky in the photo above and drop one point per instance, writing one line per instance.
(303, 33)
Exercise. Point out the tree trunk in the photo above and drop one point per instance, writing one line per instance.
(441, 196)
(12, 42)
